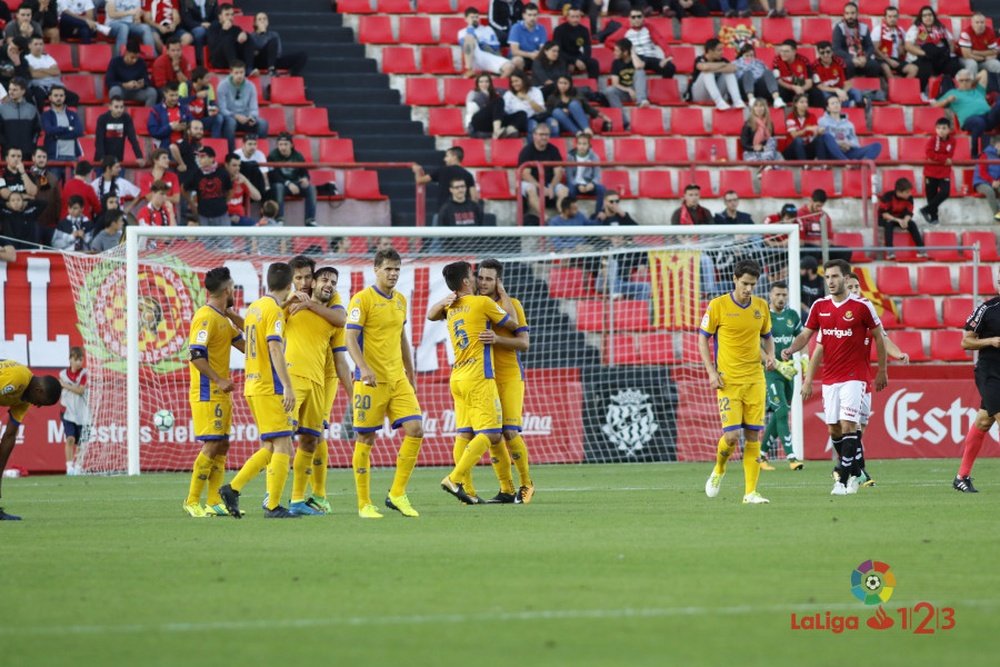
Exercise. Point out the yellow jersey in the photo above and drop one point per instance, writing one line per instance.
(506, 361)
(339, 344)
(738, 331)
(214, 334)
(14, 379)
(309, 341)
(469, 316)
(380, 319)
(264, 322)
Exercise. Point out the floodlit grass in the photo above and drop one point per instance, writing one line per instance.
(610, 565)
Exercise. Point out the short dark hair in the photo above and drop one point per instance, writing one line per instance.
(790, 42)
(471, 10)
(692, 186)
(232, 156)
(237, 64)
(943, 121)
(279, 277)
(746, 266)
(530, 5)
(132, 46)
(57, 86)
(854, 275)
(325, 269)
(624, 44)
(44, 390)
(76, 352)
(75, 200)
(83, 168)
(172, 86)
(116, 98)
(491, 263)
(566, 203)
(386, 255)
(458, 152)
(18, 81)
(174, 39)
(823, 45)
(903, 184)
(841, 264)
(216, 278)
(819, 195)
(712, 43)
(779, 284)
(159, 186)
(302, 262)
(455, 273)
(207, 150)
(156, 154)
(198, 73)
(12, 147)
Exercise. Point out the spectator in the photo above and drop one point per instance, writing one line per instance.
(986, 176)
(930, 47)
(682, 8)
(801, 128)
(272, 246)
(197, 17)
(503, 14)
(731, 214)
(839, 141)
(481, 48)
(291, 180)
(574, 40)
(13, 63)
(527, 36)
(585, 180)
(160, 172)
(485, 115)
(628, 79)
(812, 287)
(44, 75)
(691, 211)
(755, 79)
(540, 150)
(210, 187)
(443, 176)
(105, 214)
(777, 11)
(200, 97)
(110, 182)
(19, 119)
(831, 78)
(243, 190)
(14, 177)
(63, 127)
(612, 213)
(895, 209)
(238, 105)
(889, 41)
(852, 43)
(124, 21)
(548, 67)
(227, 42)
(648, 44)
(979, 47)
(624, 274)
(523, 98)
(185, 151)
(171, 65)
(252, 162)
(458, 211)
(23, 25)
(164, 19)
(968, 102)
(158, 211)
(711, 69)
(110, 236)
(794, 74)
(937, 171)
(732, 8)
(76, 19)
(813, 220)
(79, 185)
(757, 136)
(571, 111)
(270, 56)
(128, 77)
(114, 127)
(70, 232)
(49, 189)
(570, 216)
(169, 119)
(19, 222)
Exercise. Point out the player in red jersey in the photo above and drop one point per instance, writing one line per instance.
(845, 323)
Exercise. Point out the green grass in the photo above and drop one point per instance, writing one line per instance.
(611, 565)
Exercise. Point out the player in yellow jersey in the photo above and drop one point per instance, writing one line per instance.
(740, 322)
(383, 383)
(19, 390)
(269, 393)
(215, 329)
(478, 411)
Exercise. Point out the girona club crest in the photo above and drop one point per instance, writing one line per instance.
(630, 423)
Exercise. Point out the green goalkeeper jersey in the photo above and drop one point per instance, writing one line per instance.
(785, 326)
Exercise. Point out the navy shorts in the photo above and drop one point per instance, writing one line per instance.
(72, 429)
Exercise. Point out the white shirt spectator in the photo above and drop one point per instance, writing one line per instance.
(124, 189)
(79, 7)
(889, 41)
(75, 404)
(643, 44)
(512, 103)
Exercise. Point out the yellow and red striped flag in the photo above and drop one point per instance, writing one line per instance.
(676, 282)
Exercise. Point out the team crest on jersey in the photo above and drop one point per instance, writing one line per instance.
(849, 315)
(9, 389)
(630, 423)
(756, 314)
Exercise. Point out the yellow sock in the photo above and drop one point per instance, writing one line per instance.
(301, 472)
(277, 475)
(519, 455)
(254, 465)
(362, 474)
(405, 460)
(200, 471)
(319, 468)
(725, 451)
(461, 442)
(215, 479)
(751, 465)
(500, 458)
(473, 452)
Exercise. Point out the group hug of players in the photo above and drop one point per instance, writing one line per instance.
(297, 340)
(744, 368)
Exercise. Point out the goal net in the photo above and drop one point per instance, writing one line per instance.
(612, 374)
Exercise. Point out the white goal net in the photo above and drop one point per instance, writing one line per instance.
(612, 373)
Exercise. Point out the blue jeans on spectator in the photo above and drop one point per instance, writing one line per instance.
(556, 5)
(572, 119)
(855, 98)
(734, 5)
(611, 282)
(598, 192)
(308, 193)
(71, 26)
(550, 121)
(979, 125)
(829, 150)
(122, 31)
(230, 127)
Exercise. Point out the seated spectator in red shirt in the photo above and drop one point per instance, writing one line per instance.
(161, 172)
(691, 211)
(812, 220)
(937, 173)
(158, 212)
(242, 189)
(895, 209)
(171, 65)
(794, 74)
(801, 128)
(830, 77)
(979, 46)
(164, 17)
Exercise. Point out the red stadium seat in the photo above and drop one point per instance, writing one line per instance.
(813, 180)
(656, 348)
(866, 83)
(648, 122)
(423, 92)
(701, 178)
(361, 184)
(943, 239)
(799, 7)
(888, 120)
(90, 116)
(394, 6)
(924, 119)
(656, 184)
(836, 7)
(375, 30)
(911, 149)
(620, 349)
(727, 123)
(857, 117)
(336, 150)
(695, 30)
(947, 346)
(905, 91)
(630, 150)
(776, 30)
(985, 286)
(395, 60)
(911, 342)
(62, 53)
(474, 151)
(672, 149)
(884, 154)
(434, 7)
(664, 92)
(821, 27)
(438, 60)
(605, 58)
(94, 57)
(987, 245)
(355, 7)
(853, 182)
(457, 89)
(707, 151)
(779, 184)
(494, 185)
(631, 315)
(570, 283)
(312, 121)
(504, 152)
(83, 85)
(617, 181)
(89, 147)
(445, 122)
(889, 320)
(895, 281)
(852, 240)
(954, 8)
(920, 313)
(448, 28)
(739, 180)
(684, 57)
(289, 90)
(904, 248)
(590, 315)
(957, 311)
(415, 30)
(935, 280)
(617, 122)
(277, 122)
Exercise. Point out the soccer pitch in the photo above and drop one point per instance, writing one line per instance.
(610, 565)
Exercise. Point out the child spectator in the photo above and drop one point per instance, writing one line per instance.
(76, 414)
(268, 218)
(71, 231)
(158, 212)
(199, 95)
(111, 235)
(986, 177)
(896, 210)
(585, 180)
(241, 191)
(937, 174)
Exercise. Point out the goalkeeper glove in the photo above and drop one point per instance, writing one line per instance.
(787, 369)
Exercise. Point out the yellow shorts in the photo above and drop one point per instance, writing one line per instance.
(330, 388)
(311, 408)
(395, 399)
(212, 419)
(512, 401)
(477, 406)
(270, 416)
(742, 406)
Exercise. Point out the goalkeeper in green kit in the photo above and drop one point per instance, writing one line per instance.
(785, 326)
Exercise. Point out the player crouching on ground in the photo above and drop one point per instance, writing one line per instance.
(740, 323)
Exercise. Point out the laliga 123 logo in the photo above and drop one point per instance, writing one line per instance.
(873, 583)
